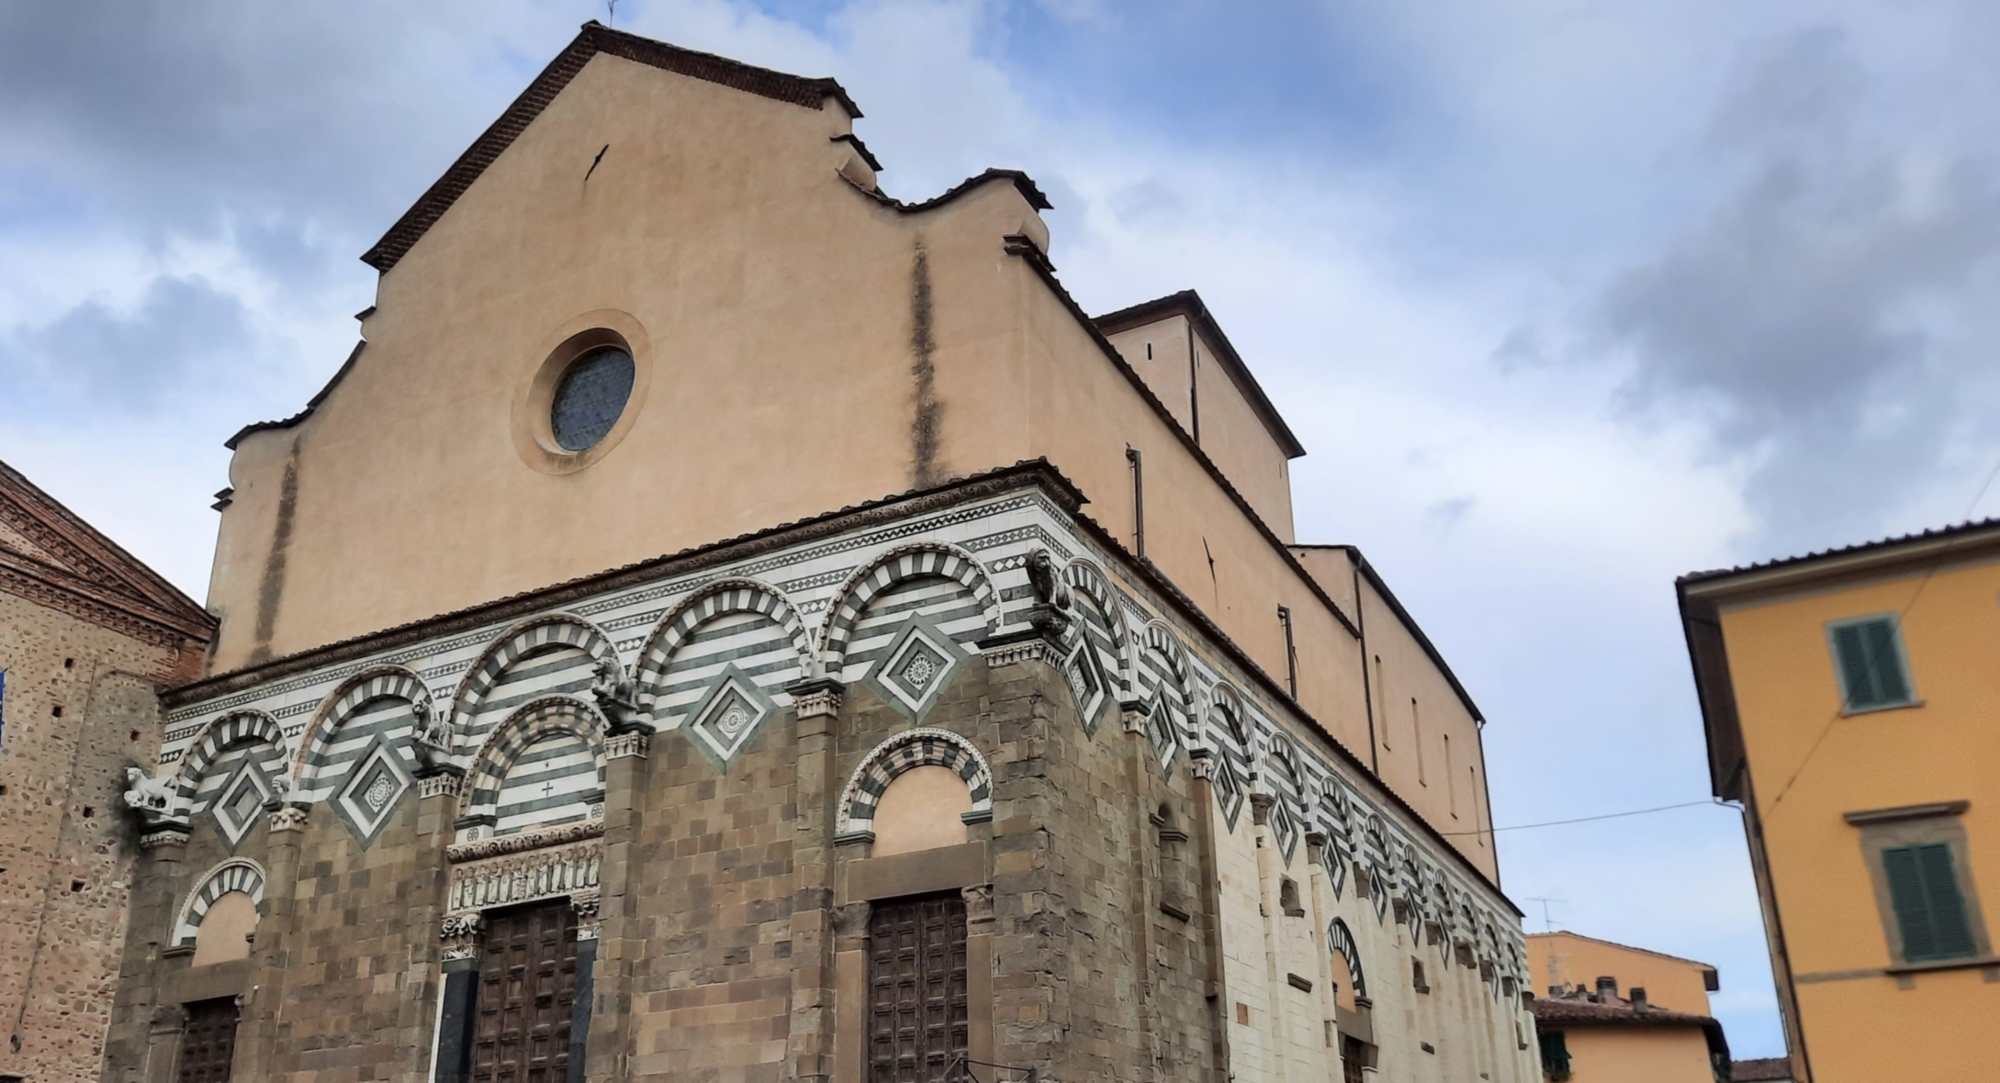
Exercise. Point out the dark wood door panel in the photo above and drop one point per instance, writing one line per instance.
(917, 1011)
(527, 995)
(208, 1043)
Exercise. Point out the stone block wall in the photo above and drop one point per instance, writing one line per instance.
(80, 706)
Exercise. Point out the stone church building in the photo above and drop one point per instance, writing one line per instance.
(983, 718)
(89, 637)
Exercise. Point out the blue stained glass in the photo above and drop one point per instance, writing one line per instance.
(590, 397)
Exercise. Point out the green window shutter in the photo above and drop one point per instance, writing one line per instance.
(1871, 663)
(1886, 655)
(1929, 911)
(1555, 1055)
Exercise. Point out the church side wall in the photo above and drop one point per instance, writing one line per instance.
(66, 845)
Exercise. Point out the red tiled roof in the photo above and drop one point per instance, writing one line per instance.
(1576, 1011)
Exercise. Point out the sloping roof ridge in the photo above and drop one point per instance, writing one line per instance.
(1760, 1070)
(1023, 183)
(311, 405)
(594, 38)
(1627, 947)
(1577, 1010)
(98, 561)
(1940, 533)
(1188, 302)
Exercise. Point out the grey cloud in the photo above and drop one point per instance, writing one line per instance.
(1801, 317)
(183, 329)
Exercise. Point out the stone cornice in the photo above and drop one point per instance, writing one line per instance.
(481, 849)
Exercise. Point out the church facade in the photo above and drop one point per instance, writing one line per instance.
(1065, 761)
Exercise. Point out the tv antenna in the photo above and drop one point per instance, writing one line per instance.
(611, 12)
(1548, 925)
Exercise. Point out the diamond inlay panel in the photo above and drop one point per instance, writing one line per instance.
(728, 717)
(919, 662)
(367, 801)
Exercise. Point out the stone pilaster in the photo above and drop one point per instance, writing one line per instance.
(430, 877)
(809, 1049)
(620, 942)
(271, 955)
(1201, 766)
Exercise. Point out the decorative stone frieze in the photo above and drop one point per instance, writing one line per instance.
(815, 697)
(288, 818)
(528, 867)
(1134, 714)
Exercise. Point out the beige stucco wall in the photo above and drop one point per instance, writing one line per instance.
(1638, 1055)
(773, 310)
(1563, 958)
(1207, 402)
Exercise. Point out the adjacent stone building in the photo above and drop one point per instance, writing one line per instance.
(1063, 757)
(88, 637)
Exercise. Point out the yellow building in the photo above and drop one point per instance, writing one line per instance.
(1659, 1031)
(1850, 700)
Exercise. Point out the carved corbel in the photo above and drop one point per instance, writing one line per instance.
(460, 933)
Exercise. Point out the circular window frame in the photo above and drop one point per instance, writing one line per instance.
(534, 399)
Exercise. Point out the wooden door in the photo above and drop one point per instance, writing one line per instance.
(527, 995)
(917, 991)
(1353, 1057)
(208, 1043)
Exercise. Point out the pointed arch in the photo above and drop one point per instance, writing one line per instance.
(247, 726)
(235, 874)
(914, 561)
(548, 716)
(529, 637)
(352, 694)
(913, 748)
(720, 598)
(1340, 940)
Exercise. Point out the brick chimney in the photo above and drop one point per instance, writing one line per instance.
(1607, 988)
(1639, 1004)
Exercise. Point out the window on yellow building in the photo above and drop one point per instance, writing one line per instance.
(1930, 913)
(1868, 656)
(1555, 1055)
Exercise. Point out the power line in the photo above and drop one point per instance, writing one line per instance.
(1588, 819)
(1869, 659)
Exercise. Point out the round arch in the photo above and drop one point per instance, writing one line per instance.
(235, 874)
(717, 599)
(916, 561)
(915, 748)
(226, 732)
(531, 636)
(356, 692)
(545, 717)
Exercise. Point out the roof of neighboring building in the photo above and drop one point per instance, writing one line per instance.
(1577, 1010)
(1952, 534)
(1188, 303)
(1616, 944)
(594, 38)
(51, 556)
(1761, 1070)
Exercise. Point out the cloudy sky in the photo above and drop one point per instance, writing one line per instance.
(1565, 297)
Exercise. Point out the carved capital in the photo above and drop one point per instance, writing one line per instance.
(460, 933)
(1201, 764)
(289, 818)
(439, 783)
(815, 697)
(1260, 808)
(1133, 714)
(851, 920)
(631, 744)
(1316, 847)
(1013, 650)
(978, 903)
(169, 834)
